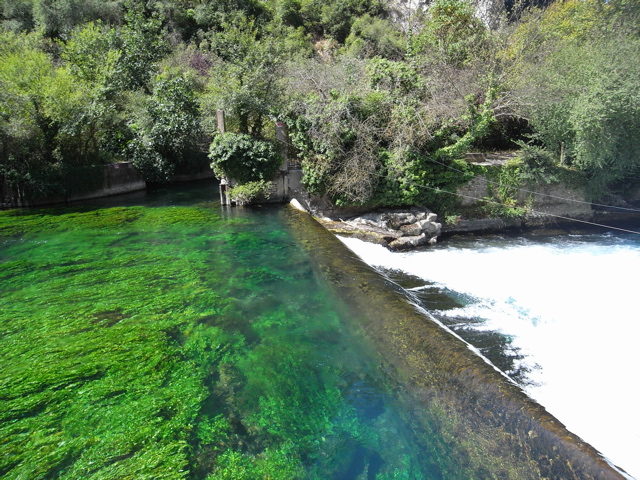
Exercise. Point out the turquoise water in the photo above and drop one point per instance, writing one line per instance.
(160, 336)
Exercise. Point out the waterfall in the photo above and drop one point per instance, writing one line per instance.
(565, 307)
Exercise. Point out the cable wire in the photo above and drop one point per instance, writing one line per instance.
(439, 190)
(538, 193)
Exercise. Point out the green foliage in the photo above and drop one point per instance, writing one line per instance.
(246, 192)
(375, 37)
(16, 15)
(244, 158)
(503, 192)
(480, 119)
(335, 19)
(58, 18)
(244, 81)
(90, 54)
(91, 87)
(340, 146)
(451, 31)
(400, 79)
(142, 46)
(583, 99)
(538, 165)
(27, 82)
(168, 132)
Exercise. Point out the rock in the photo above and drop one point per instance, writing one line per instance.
(397, 229)
(405, 243)
(397, 220)
(411, 230)
(429, 227)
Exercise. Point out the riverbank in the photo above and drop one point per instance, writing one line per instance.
(598, 220)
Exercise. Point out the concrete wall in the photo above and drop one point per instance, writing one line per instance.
(286, 185)
(117, 178)
(554, 199)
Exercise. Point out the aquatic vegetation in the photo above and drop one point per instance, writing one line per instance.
(173, 342)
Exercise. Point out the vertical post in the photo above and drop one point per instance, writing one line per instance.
(562, 153)
(282, 136)
(220, 120)
(224, 181)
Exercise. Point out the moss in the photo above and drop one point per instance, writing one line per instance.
(168, 342)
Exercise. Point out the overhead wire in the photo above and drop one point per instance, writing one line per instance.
(539, 193)
(610, 227)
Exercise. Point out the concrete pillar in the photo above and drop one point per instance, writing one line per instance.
(220, 121)
(282, 136)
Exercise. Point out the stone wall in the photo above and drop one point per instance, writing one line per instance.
(553, 199)
(117, 178)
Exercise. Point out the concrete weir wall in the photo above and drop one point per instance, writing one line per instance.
(468, 418)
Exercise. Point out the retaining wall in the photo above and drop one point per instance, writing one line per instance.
(117, 178)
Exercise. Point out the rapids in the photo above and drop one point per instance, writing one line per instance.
(557, 314)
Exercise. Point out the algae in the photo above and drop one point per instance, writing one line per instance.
(181, 341)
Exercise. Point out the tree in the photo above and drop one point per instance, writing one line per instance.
(26, 133)
(88, 129)
(142, 46)
(579, 88)
(168, 135)
(244, 78)
(451, 32)
(59, 17)
(375, 37)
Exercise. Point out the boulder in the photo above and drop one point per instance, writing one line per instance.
(397, 220)
(405, 243)
(398, 229)
(411, 230)
(429, 227)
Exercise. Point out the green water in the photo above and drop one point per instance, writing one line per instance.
(164, 337)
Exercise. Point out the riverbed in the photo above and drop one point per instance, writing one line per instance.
(557, 314)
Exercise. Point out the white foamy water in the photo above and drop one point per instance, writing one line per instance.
(571, 306)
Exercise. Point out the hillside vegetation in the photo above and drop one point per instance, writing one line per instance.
(379, 105)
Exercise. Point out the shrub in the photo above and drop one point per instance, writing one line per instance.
(243, 158)
(245, 193)
(537, 164)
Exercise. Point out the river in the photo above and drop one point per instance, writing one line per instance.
(557, 314)
(158, 335)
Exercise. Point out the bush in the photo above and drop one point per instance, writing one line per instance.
(244, 194)
(244, 158)
(537, 164)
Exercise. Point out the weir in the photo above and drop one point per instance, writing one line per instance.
(469, 419)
